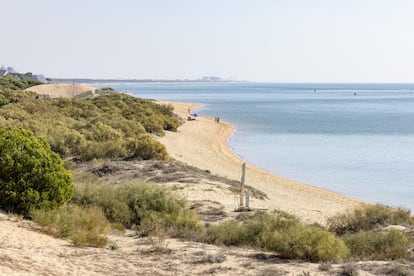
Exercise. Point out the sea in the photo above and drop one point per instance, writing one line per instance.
(352, 139)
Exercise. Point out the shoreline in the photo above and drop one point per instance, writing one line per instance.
(203, 143)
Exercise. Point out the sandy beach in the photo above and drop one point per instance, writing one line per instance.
(203, 144)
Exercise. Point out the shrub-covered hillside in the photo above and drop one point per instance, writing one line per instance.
(115, 126)
(16, 84)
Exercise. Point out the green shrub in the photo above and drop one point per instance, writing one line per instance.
(227, 233)
(373, 245)
(17, 96)
(146, 148)
(31, 175)
(149, 207)
(252, 232)
(281, 233)
(99, 150)
(85, 226)
(9, 83)
(111, 126)
(3, 100)
(309, 243)
(368, 218)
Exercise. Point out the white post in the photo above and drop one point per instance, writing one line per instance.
(248, 198)
(242, 184)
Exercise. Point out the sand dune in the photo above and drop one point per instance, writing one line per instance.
(203, 143)
(25, 251)
(64, 90)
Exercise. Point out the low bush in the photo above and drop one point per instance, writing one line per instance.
(151, 208)
(371, 245)
(368, 218)
(146, 148)
(85, 226)
(281, 233)
(253, 231)
(308, 243)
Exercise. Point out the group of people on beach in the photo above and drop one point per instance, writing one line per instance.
(189, 118)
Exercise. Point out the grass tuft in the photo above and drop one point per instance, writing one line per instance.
(85, 226)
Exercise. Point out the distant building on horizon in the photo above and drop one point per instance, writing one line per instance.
(3, 71)
(9, 71)
(211, 78)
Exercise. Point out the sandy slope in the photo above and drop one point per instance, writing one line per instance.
(203, 143)
(24, 251)
(65, 90)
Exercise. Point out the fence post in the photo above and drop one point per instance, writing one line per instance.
(242, 184)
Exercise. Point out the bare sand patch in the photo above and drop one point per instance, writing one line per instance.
(61, 90)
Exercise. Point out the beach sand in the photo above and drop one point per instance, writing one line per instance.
(62, 90)
(203, 143)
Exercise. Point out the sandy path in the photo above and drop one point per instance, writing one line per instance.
(203, 143)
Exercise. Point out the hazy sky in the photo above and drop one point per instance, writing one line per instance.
(257, 40)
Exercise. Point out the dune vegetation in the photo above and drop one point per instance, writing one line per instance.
(116, 126)
(31, 175)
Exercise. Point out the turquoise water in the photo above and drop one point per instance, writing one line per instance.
(354, 139)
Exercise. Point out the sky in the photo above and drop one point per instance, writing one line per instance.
(255, 40)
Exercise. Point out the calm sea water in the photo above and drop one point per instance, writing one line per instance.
(354, 139)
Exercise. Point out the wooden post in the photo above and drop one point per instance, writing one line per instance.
(242, 184)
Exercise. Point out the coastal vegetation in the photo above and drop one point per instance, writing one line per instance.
(31, 175)
(369, 218)
(366, 234)
(85, 226)
(148, 208)
(36, 133)
(21, 83)
(3, 100)
(281, 233)
(113, 125)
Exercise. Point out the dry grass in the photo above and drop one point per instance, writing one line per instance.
(85, 226)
